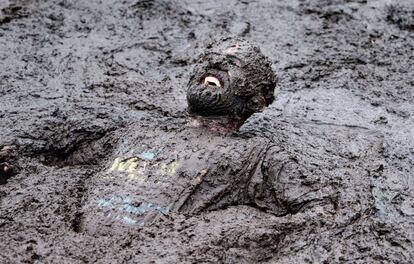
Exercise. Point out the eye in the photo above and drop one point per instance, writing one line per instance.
(213, 81)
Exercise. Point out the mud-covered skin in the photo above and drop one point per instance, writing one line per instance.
(192, 170)
(232, 80)
(246, 81)
(77, 75)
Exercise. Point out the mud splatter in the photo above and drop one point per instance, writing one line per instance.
(85, 82)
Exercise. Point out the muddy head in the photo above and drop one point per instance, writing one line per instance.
(231, 81)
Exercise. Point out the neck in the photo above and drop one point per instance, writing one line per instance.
(220, 124)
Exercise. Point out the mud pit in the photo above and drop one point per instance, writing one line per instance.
(94, 145)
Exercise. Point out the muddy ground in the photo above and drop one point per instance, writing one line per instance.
(86, 82)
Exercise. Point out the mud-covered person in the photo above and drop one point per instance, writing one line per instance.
(200, 163)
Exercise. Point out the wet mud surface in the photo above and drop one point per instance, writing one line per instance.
(98, 162)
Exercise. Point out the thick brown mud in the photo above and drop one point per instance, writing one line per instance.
(100, 163)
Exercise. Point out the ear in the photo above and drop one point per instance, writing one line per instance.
(256, 104)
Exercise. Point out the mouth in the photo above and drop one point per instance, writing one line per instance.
(211, 81)
(215, 79)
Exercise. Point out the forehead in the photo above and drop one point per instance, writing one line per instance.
(236, 53)
(232, 49)
(230, 46)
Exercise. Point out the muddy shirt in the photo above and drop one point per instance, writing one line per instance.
(154, 172)
(158, 172)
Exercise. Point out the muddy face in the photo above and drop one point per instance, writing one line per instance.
(232, 79)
